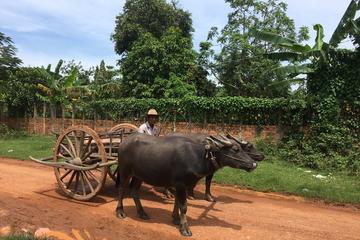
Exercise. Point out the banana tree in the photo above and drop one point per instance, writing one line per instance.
(57, 89)
(304, 59)
(75, 93)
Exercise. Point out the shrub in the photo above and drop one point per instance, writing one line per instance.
(7, 132)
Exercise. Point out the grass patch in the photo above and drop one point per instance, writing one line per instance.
(23, 147)
(21, 237)
(271, 175)
(282, 177)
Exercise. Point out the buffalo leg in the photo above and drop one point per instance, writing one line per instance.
(175, 213)
(208, 195)
(135, 186)
(120, 207)
(190, 192)
(182, 203)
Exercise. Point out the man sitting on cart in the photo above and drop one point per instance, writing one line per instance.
(149, 127)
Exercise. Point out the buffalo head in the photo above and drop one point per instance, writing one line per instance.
(248, 148)
(229, 153)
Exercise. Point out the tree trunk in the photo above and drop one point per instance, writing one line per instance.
(190, 124)
(73, 109)
(53, 116)
(174, 121)
(35, 118)
(94, 122)
(1, 111)
(62, 117)
(44, 118)
(205, 121)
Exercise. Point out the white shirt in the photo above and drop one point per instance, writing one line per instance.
(147, 129)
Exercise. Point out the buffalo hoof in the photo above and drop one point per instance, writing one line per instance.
(143, 216)
(120, 213)
(185, 231)
(209, 198)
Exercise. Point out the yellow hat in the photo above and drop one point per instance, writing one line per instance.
(152, 112)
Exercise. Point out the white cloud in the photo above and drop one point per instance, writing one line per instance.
(93, 17)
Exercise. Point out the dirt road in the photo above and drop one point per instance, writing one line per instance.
(30, 199)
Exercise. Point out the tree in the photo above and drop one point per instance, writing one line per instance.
(240, 65)
(152, 64)
(8, 59)
(148, 16)
(331, 77)
(22, 87)
(8, 63)
(61, 90)
(83, 75)
(154, 40)
(107, 82)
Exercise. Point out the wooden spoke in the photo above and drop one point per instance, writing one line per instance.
(88, 181)
(76, 181)
(67, 150)
(65, 174)
(71, 179)
(71, 145)
(87, 145)
(82, 182)
(88, 154)
(93, 176)
(81, 145)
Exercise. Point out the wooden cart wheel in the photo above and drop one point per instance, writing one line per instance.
(80, 146)
(127, 128)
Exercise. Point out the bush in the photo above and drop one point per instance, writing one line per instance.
(7, 132)
(340, 156)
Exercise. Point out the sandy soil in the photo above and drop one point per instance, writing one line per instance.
(30, 199)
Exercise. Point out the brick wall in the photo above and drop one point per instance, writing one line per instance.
(247, 132)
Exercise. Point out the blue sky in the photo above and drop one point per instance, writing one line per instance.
(46, 30)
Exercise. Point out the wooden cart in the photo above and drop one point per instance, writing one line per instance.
(82, 158)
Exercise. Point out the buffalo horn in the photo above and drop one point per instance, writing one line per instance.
(212, 142)
(240, 141)
(225, 141)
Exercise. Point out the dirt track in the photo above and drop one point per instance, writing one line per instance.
(29, 199)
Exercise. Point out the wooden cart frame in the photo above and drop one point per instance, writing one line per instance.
(82, 158)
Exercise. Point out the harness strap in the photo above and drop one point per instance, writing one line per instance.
(212, 159)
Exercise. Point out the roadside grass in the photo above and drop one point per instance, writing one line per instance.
(271, 175)
(283, 177)
(21, 237)
(23, 147)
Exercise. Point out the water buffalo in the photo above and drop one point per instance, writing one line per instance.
(201, 138)
(173, 161)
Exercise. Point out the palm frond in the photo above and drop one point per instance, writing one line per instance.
(344, 26)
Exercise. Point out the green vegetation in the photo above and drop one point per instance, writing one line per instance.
(21, 237)
(255, 111)
(282, 177)
(23, 147)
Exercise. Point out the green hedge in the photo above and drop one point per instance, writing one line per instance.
(254, 111)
